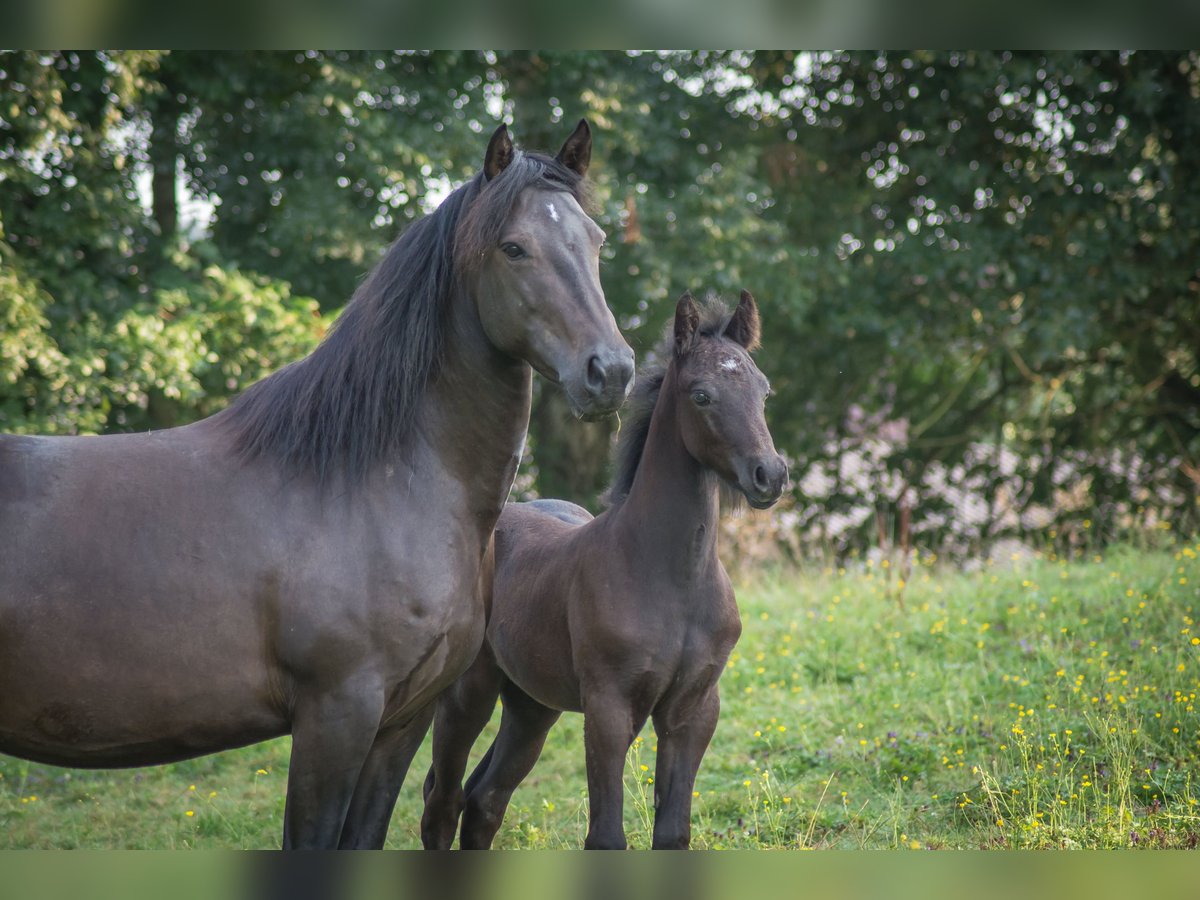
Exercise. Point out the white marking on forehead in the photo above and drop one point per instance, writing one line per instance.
(553, 212)
(729, 364)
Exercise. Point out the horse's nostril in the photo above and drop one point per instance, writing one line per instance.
(626, 370)
(760, 478)
(595, 375)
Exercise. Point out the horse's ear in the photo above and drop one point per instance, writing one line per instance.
(576, 153)
(687, 320)
(744, 326)
(499, 153)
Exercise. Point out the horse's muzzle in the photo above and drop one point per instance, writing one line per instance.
(605, 382)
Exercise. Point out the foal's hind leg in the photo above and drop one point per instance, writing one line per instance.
(523, 730)
(683, 737)
(379, 783)
(462, 712)
(332, 732)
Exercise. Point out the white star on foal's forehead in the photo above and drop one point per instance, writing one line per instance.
(553, 212)
(729, 364)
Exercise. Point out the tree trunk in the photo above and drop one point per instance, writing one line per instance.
(572, 456)
(163, 152)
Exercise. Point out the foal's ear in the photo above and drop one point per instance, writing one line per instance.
(687, 320)
(744, 326)
(576, 153)
(499, 153)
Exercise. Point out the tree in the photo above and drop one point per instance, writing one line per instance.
(962, 258)
(106, 326)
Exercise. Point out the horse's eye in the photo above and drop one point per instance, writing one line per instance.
(700, 398)
(511, 250)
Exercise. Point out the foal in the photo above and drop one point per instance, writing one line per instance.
(625, 616)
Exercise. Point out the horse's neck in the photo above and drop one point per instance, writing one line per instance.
(673, 502)
(476, 414)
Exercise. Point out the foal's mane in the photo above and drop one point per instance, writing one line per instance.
(352, 401)
(639, 410)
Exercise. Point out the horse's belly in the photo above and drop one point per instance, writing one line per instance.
(60, 718)
(92, 683)
(83, 730)
(57, 742)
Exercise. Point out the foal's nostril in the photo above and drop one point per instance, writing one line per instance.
(595, 375)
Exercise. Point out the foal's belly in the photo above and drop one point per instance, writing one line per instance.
(556, 687)
(532, 646)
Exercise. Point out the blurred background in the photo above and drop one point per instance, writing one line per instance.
(978, 271)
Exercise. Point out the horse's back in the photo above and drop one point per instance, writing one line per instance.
(16, 454)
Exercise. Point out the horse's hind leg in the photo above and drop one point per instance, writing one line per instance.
(683, 737)
(463, 710)
(332, 732)
(380, 781)
(523, 730)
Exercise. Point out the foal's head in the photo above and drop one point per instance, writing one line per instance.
(720, 398)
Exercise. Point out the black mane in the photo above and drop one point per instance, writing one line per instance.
(639, 410)
(352, 401)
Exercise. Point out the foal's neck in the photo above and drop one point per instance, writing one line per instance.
(673, 503)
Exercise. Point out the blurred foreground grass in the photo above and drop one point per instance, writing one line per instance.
(1035, 703)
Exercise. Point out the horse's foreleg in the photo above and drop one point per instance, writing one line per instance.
(682, 741)
(332, 733)
(380, 781)
(518, 744)
(462, 712)
(608, 731)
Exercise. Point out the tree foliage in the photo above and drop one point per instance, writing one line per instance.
(977, 270)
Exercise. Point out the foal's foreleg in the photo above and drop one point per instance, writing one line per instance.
(332, 732)
(609, 728)
(380, 781)
(462, 712)
(683, 737)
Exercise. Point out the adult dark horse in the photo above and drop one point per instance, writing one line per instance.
(624, 616)
(310, 559)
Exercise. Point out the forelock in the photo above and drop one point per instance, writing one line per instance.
(481, 227)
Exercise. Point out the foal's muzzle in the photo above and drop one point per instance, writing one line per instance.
(762, 480)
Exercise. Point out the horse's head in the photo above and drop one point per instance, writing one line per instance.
(538, 288)
(721, 397)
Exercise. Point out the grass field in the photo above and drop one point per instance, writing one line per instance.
(1035, 703)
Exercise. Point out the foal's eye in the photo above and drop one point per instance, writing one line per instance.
(511, 250)
(700, 398)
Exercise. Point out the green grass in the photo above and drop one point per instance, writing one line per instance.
(1032, 704)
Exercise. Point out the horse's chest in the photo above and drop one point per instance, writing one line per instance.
(432, 584)
(422, 609)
